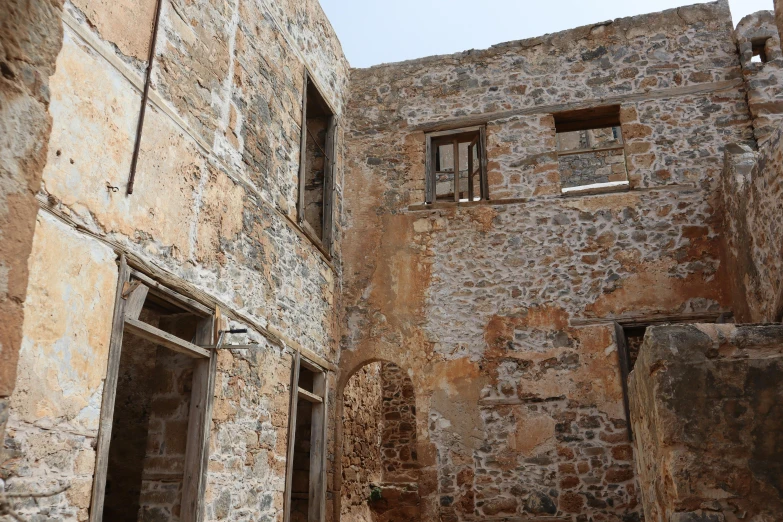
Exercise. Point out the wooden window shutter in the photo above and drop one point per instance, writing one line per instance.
(329, 184)
(300, 204)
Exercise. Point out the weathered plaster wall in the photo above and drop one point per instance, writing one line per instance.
(56, 406)
(752, 189)
(30, 38)
(519, 410)
(706, 405)
(762, 80)
(214, 205)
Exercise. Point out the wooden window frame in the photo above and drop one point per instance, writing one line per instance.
(436, 139)
(318, 432)
(325, 241)
(132, 290)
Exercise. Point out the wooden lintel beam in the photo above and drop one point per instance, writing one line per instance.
(481, 119)
(309, 397)
(158, 336)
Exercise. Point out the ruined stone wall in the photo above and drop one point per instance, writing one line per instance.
(752, 190)
(762, 78)
(479, 301)
(363, 427)
(213, 205)
(707, 413)
(592, 167)
(398, 440)
(30, 38)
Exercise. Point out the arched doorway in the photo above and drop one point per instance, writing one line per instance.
(378, 464)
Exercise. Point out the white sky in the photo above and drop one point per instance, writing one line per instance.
(378, 31)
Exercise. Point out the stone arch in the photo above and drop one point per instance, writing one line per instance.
(376, 428)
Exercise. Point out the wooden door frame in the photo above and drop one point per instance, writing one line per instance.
(129, 299)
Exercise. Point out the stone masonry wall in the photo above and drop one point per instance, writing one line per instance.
(708, 422)
(214, 205)
(363, 427)
(398, 441)
(762, 80)
(752, 192)
(592, 167)
(30, 38)
(479, 302)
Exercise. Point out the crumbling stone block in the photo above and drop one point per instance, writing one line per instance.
(707, 413)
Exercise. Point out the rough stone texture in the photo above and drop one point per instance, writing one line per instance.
(362, 432)
(213, 205)
(707, 412)
(379, 447)
(476, 301)
(752, 193)
(762, 80)
(399, 459)
(30, 38)
(592, 167)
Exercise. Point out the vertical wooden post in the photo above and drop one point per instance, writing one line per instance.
(328, 197)
(430, 167)
(622, 357)
(483, 162)
(456, 169)
(292, 407)
(300, 207)
(317, 481)
(471, 148)
(109, 395)
(194, 481)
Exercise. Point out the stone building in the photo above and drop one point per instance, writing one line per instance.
(243, 281)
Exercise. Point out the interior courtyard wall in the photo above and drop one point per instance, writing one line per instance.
(213, 209)
(502, 310)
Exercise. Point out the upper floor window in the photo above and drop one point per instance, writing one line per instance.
(456, 165)
(590, 149)
(316, 166)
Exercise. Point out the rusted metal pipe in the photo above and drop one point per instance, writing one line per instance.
(144, 96)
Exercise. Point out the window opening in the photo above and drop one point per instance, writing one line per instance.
(456, 166)
(759, 50)
(316, 170)
(590, 149)
(305, 482)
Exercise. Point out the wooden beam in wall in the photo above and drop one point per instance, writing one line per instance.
(109, 396)
(158, 336)
(202, 396)
(289, 465)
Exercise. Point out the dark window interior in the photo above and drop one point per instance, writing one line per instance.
(317, 165)
(150, 423)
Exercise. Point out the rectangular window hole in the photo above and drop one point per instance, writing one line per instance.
(590, 149)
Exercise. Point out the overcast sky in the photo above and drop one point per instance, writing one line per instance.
(378, 31)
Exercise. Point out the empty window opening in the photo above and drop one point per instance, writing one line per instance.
(316, 165)
(590, 149)
(759, 50)
(146, 462)
(306, 467)
(456, 166)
